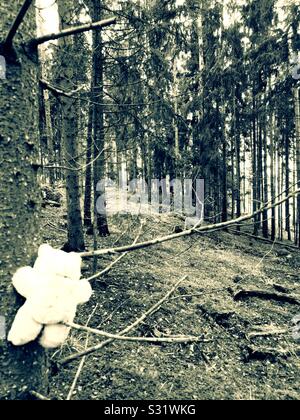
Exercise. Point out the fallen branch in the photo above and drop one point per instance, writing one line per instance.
(111, 266)
(72, 31)
(266, 295)
(58, 92)
(51, 203)
(267, 332)
(195, 230)
(39, 396)
(126, 330)
(177, 339)
(268, 241)
(82, 362)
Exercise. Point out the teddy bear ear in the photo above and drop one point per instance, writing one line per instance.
(83, 292)
(45, 250)
(25, 281)
(45, 259)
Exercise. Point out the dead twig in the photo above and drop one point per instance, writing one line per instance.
(82, 362)
(126, 330)
(267, 331)
(111, 266)
(71, 31)
(177, 339)
(39, 396)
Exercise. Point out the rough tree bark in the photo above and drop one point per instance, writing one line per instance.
(237, 157)
(265, 223)
(21, 369)
(99, 137)
(297, 135)
(273, 188)
(88, 172)
(287, 186)
(70, 126)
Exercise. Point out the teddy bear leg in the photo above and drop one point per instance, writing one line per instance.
(54, 336)
(24, 328)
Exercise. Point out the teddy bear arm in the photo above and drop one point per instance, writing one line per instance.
(83, 292)
(25, 281)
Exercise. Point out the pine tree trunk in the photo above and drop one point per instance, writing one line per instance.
(273, 190)
(49, 132)
(287, 187)
(224, 182)
(98, 118)
(88, 172)
(21, 369)
(70, 125)
(265, 181)
(260, 172)
(237, 160)
(254, 169)
(297, 117)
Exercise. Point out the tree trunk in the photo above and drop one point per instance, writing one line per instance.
(22, 369)
(287, 186)
(99, 138)
(260, 171)
(49, 132)
(237, 160)
(273, 190)
(70, 125)
(254, 169)
(297, 117)
(88, 172)
(265, 179)
(224, 181)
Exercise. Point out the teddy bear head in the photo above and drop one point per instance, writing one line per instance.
(56, 262)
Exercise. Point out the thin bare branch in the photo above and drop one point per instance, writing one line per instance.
(82, 362)
(181, 339)
(39, 396)
(126, 330)
(185, 233)
(110, 266)
(58, 92)
(16, 24)
(72, 31)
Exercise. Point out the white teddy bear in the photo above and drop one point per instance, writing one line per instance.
(53, 290)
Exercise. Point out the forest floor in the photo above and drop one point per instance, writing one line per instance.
(229, 363)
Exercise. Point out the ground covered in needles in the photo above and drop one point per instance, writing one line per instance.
(248, 349)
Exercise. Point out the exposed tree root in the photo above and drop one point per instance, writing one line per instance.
(268, 353)
(266, 331)
(266, 295)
